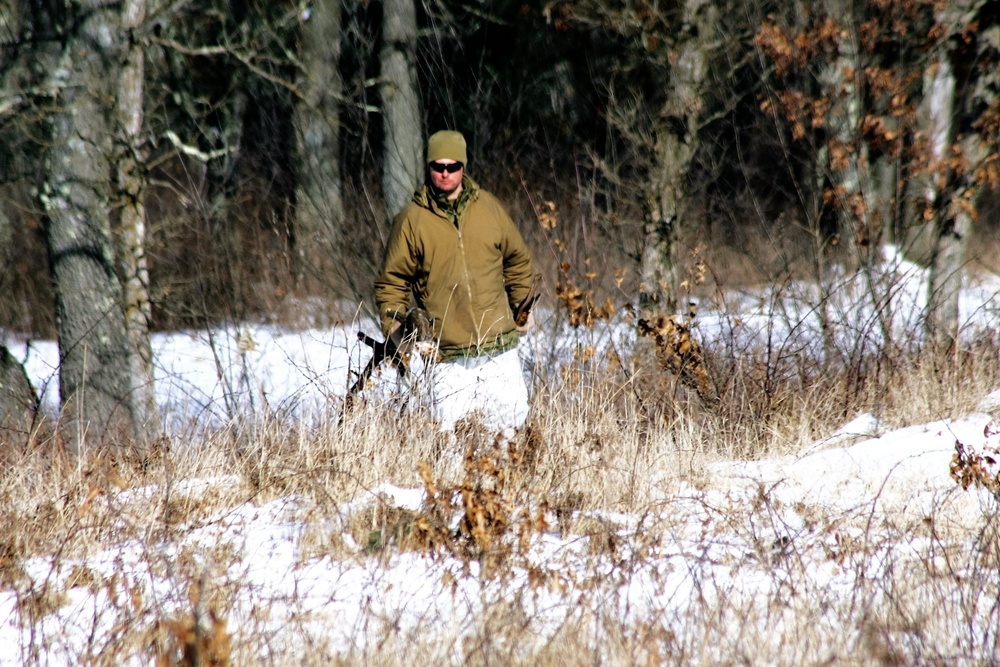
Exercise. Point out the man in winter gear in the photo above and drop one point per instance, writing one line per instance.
(457, 253)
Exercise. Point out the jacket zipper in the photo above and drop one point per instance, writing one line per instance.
(465, 268)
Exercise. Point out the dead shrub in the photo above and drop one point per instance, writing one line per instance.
(191, 643)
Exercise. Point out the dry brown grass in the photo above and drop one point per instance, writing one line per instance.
(616, 462)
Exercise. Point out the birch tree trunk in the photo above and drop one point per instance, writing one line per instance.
(945, 283)
(94, 373)
(403, 145)
(963, 108)
(936, 119)
(132, 237)
(847, 158)
(675, 144)
(318, 197)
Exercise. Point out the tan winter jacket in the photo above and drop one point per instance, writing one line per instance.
(468, 269)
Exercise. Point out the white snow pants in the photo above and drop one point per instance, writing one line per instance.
(492, 387)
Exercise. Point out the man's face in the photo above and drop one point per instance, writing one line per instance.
(446, 176)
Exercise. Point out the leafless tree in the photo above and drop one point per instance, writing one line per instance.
(675, 142)
(318, 196)
(658, 86)
(95, 379)
(131, 238)
(892, 112)
(403, 143)
(962, 113)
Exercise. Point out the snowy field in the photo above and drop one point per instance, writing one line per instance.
(748, 562)
(211, 378)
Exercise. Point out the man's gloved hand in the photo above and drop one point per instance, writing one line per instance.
(528, 323)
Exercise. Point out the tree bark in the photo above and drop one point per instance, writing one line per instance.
(675, 144)
(226, 230)
(949, 232)
(945, 283)
(403, 144)
(848, 152)
(971, 155)
(132, 237)
(10, 34)
(95, 372)
(847, 158)
(18, 402)
(962, 112)
(318, 197)
(11, 21)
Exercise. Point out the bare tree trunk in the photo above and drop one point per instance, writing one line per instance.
(885, 185)
(945, 283)
(886, 181)
(132, 238)
(923, 197)
(675, 144)
(847, 158)
(847, 153)
(952, 230)
(948, 235)
(6, 236)
(403, 148)
(961, 104)
(11, 22)
(318, 197)
(811, 184)
(18, 402)
(226, 230)
(10, 34)
(95, 373)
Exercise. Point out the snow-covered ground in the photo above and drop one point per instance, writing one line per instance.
(743, 562)
(212, 377)
(823, 529)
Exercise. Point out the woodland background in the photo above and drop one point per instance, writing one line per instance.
(174, 164)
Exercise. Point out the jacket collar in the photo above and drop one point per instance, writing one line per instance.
(425, 198)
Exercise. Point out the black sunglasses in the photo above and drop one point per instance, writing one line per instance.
(451, 168)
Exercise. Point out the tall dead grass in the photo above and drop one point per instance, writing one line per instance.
(653, 565)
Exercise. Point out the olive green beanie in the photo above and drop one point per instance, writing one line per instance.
(446, 145)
